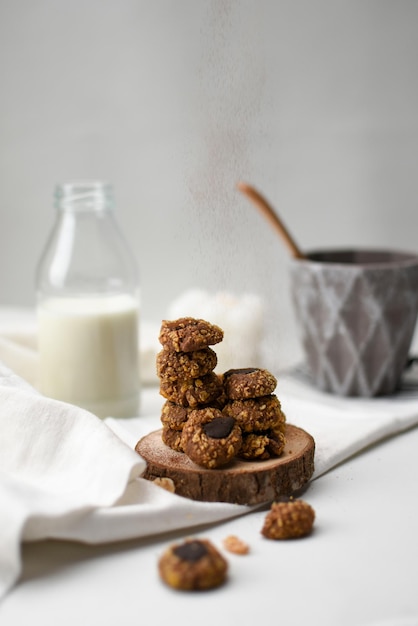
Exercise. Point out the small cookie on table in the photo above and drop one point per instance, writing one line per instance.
(288, 519)
(194, 564)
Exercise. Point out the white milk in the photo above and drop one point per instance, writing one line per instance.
(88, 349)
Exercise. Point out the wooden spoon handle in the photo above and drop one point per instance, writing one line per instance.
(269, 213)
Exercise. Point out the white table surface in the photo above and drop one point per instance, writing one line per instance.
(359, 567)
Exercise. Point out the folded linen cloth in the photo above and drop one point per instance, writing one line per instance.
(342, 426)
(65, 474)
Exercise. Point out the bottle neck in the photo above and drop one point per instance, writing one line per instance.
(91, 196)
(86, 253)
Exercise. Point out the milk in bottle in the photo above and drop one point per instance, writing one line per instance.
(88, 306)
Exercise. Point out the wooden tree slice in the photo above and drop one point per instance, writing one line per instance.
(241, 482)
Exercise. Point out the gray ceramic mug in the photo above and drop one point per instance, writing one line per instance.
(356, 311)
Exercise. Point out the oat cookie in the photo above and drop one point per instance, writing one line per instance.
(211, 439)
(251, 382)
(263, 445)
(172, 438)
(173, 415)
(194, 564)
(188, 334)
(288, 519)
(277, 440)
(255, 414)
(173, 365)
(192, 392)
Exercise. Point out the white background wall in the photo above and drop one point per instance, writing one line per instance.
(315, 102)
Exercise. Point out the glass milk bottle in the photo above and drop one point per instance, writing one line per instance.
(88, 305)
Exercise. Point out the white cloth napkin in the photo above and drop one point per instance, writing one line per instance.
(66, 474)
(343, 427)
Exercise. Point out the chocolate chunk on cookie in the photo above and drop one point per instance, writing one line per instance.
(188, 334)
(211, 439)
(194, 564)
(251, 382)
(173, 365)
(192, 392)
(255, 414)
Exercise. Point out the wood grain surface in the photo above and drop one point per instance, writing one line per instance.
(241, 482)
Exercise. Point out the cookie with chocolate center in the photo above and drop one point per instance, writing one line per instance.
(194, 564)
(211, 439)
(251, 382)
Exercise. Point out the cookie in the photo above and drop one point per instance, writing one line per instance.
(255, 414)
(194, 564)
(211, 439)
(252, 382)
(188, 334)
(172, 438)
(173, 365)
(263, 445)
(192, 392)
(174, 416)
(288, 519)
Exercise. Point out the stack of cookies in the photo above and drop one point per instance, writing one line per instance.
(185, 368)
(257, 410)
(214, 418)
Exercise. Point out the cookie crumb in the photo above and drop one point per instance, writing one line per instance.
(234, 544)
(288, 519)
(165, 483)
